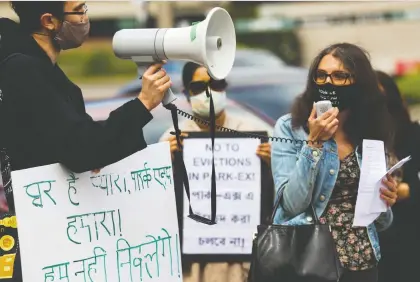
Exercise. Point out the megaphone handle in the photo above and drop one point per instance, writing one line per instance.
(169, 96)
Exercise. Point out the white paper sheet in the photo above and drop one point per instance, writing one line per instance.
(369, 204)
(380, 206)
(238, 177)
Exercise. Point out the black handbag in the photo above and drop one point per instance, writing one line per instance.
(291, 252)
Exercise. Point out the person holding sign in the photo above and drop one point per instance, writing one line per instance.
(326, 174)
(42, 113)
(196, 80)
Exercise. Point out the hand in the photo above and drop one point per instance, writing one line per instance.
(155, 82)
(323, 127)
(389, 192)
(174, 145)
(98, 170)
(264, 152)
(3, 201)
(3, 205)
(403, 191)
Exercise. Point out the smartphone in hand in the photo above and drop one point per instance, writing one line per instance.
(322, 106)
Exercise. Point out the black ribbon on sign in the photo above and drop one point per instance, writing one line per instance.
(180, 164)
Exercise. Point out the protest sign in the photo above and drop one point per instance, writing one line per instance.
(119, 225)
(239, 198)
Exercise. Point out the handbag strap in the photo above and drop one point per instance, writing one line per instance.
(180, 165)
(277, 205)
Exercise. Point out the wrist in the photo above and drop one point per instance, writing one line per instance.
(145, 102)
(312, 142)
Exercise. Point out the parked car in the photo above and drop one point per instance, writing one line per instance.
(100, 110)
(257, 59)
(269, 93)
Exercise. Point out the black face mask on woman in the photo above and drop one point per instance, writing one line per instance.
(342, 97)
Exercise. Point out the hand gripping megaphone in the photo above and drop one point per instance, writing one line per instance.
(211, 43)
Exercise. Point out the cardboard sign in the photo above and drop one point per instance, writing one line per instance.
(119, 225)
(238, 178)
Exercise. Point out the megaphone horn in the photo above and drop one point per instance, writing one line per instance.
(211, 43)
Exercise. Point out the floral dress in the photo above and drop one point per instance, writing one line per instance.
(353, 245)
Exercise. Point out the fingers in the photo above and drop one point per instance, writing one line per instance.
(390, 183)
(174, 144)
(312, 116)
(389, 177)
(388, 193)
(265, 157)
(162, 80)
(157, 76)
(334, 129)
(329, 115)
(389, 200)
(263, 154)
(174, 147)
(153, 69)
(264, 146)
(331, 125)
(182, 135)
(165, 86)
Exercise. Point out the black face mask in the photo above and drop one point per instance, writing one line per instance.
(342, 97)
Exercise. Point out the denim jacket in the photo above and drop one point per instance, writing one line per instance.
(299, 169)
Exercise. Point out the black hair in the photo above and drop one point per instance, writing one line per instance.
(371, 119)
(30, 12)
(188, 73)
(397, 108)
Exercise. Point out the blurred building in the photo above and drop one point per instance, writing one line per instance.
(389, 31)
(110, 16)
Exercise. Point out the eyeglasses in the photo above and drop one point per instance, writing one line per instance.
(336, 77)
(197, 87)
(80, 13)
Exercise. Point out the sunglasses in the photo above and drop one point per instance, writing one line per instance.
(197, 87)
(336, 77)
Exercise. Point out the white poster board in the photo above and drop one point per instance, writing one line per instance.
(119, 225)
(238, 178)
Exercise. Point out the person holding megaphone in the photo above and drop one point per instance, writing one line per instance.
(45, 113)
(42, 113)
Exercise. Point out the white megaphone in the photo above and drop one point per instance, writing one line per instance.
(211, 43)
